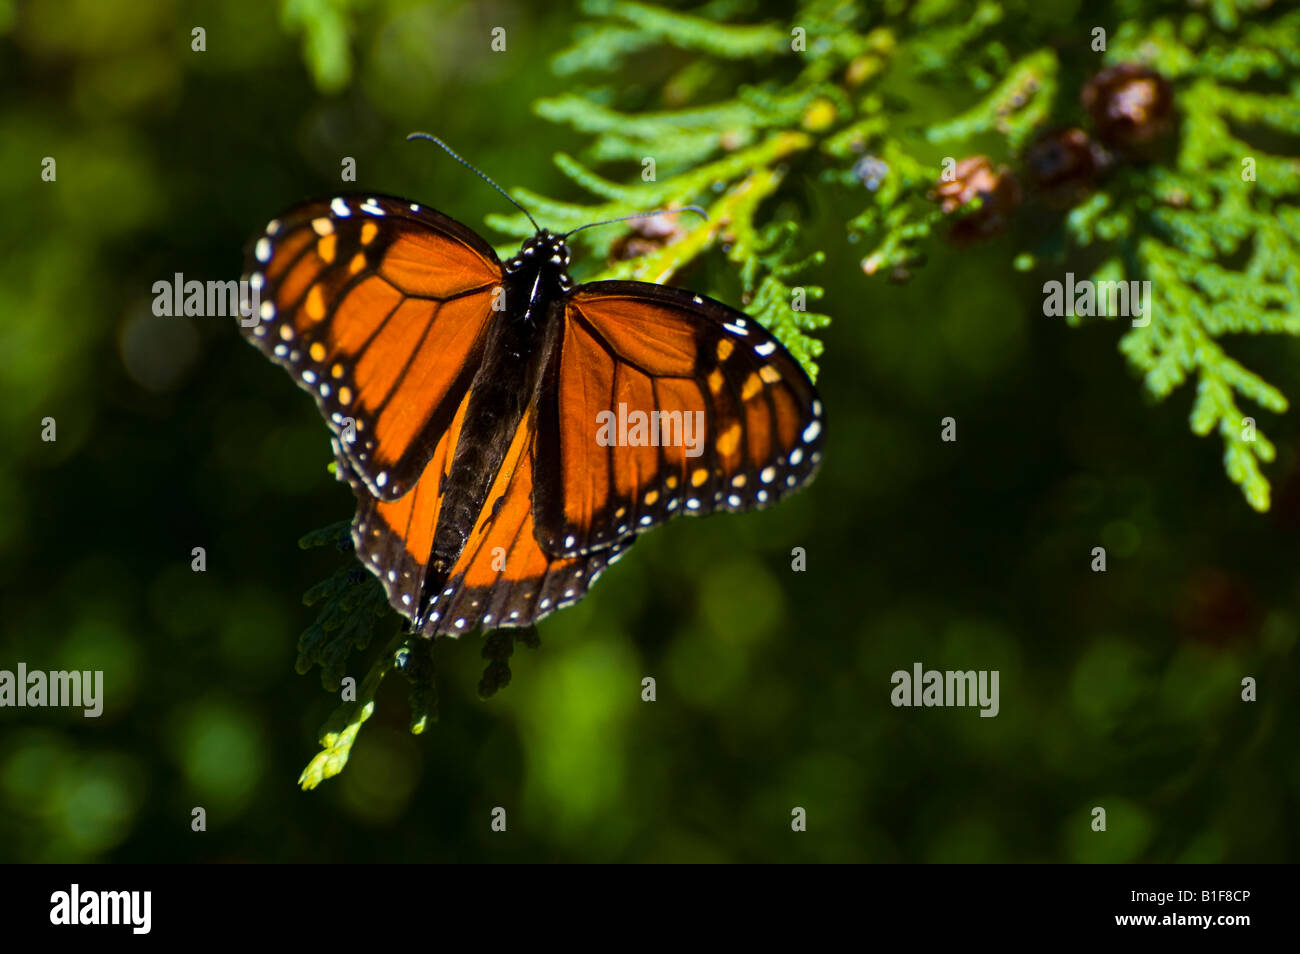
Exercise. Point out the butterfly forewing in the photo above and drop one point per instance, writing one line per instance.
(378, 307)
(662, 402)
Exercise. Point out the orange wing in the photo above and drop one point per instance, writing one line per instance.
(664, 402)
(378, 307)
(502, 578)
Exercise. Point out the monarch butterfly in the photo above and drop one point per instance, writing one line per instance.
(497, 422)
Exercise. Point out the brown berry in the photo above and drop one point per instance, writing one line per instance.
(1063, 164)
(646, 236)
(975, 178)
(1132, 107)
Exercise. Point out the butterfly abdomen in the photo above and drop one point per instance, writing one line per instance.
(517, 347)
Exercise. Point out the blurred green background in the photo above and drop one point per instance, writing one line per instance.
(1119, 689)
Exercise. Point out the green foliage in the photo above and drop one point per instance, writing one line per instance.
(340, 731)
(325, 29)
(1215, 234)
(352, 603)
(1218, 247)
(1221, 253)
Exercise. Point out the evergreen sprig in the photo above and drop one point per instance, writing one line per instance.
(1220, 252)
(1218, 234)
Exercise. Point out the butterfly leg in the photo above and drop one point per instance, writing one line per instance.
(498, 647)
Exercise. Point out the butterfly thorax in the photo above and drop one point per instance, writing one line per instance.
(519, 340)
(539, 271)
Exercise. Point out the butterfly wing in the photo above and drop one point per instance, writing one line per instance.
(738, 425)
(367, 298)
(502, 577)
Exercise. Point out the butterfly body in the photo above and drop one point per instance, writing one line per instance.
(466, 395)
(520, 340)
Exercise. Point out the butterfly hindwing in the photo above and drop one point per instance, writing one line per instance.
(502, 577)
(378, 307)
(663, 402)
(394, 537)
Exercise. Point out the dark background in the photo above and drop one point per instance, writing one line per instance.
(1118, 689)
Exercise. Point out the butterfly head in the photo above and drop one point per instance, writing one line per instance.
(546, 253)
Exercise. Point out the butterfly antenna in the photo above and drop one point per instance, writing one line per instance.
(474, 169)
(639, 215)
